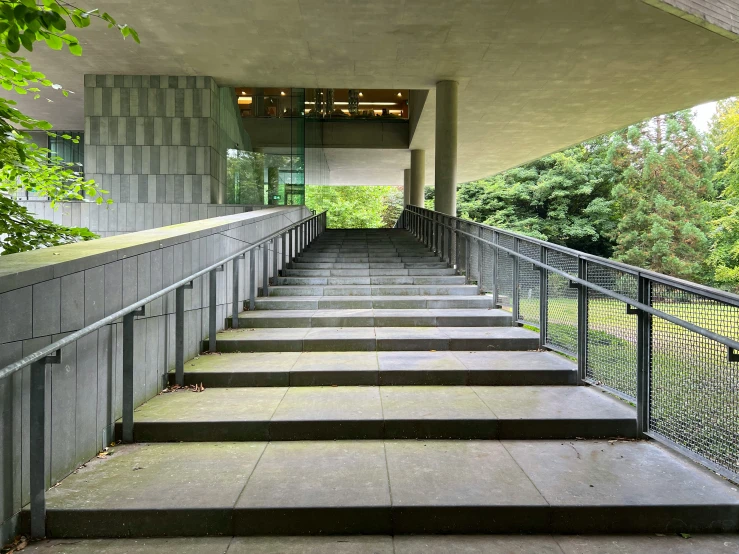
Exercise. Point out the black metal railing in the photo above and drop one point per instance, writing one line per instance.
(294, 238)
(667, 345)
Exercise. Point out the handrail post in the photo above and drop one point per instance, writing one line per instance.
(212, 308)
(275, 249)
(265, 269)
(644, 359)
(235, 293)
(252, 277)
(496, 270)
(291, 245)
(582, 323)
(543, 297)
(128, 353)
(480, 265)
(285, 258)
(467, 259)
(516, 293)
(458, 249)
(37, 443)
(449, 240)
(179, 332)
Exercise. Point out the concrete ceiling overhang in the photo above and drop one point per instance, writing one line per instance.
(535, 75)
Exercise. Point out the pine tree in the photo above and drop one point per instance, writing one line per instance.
(664, 196)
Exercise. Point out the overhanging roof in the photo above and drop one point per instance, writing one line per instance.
(535, 75)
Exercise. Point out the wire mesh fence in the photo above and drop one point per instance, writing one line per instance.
(611, 331)
(561, 304)
(528, 284)
(505, 272)
(685, 385)
(694, 392)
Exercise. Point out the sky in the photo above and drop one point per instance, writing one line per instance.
(703, 114)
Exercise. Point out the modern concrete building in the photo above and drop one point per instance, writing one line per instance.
(355, 342)
(478, 87)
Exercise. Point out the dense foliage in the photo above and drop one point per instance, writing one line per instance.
(25, 166)
(657, 194)
(356, 207)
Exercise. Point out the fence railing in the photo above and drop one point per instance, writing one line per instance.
(293, 238)
(667, 345)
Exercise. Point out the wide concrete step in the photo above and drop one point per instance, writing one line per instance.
(375, 258)
(445, 367)
(375, 290)
(366, 265)
(380, 302)
(392, 272)
(390, 487)
(375, 318)
(722, 543)
(362, 412)
(343, 339)
(378, 280)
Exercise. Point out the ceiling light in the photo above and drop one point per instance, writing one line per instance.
(362, 103)
(243, 93)
(399, 95)
(360, 94)
(282, 93)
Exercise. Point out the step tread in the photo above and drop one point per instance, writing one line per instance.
(402, 544)
(339, 333)
(372, 403)
(331, 487)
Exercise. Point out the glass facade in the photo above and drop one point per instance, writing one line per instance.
(276, 174)
(67, 149)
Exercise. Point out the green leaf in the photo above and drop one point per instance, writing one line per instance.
(75, 48)
(27, 40)
(54, 42)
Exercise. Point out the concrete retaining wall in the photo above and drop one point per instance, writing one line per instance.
(45, 294)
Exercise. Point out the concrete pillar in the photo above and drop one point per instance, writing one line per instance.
(418, 177)
(446, 147)
(406, 187)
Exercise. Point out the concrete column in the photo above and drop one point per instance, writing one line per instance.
(446, 147)
(406, 187)
(418, 177)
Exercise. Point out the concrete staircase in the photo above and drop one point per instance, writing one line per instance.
(374, 392)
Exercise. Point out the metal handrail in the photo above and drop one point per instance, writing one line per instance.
(69, 339)
(295, 237)
(689, 286)
(445, 235)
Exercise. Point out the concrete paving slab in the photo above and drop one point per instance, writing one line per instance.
(346, 544)
(491, 338)
(254, 369)
(317, 487)
(177, 545)
(217, 414)
(411, 338)
(436, 413)
(652, 544)
(461, 486)
(513, 360)
(315, 413)
(644, 487)
(154, 490)
(557, 412)
(340, 338)
(421, 368)
(335, 368)
(476, 544)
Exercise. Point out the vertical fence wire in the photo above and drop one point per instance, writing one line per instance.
(561, 304)
(528, 284)
(488, 258)
(694, 388)
(474, 255)
(611, 331)
(505, 272)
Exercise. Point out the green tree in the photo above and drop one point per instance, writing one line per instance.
(24, 24)
(348, 207)
(724, 257)
(563, 198)
(664, 195)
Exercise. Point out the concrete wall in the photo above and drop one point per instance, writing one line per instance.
(721, 16)
(126, 217)
(158, 139)
(45, 294)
